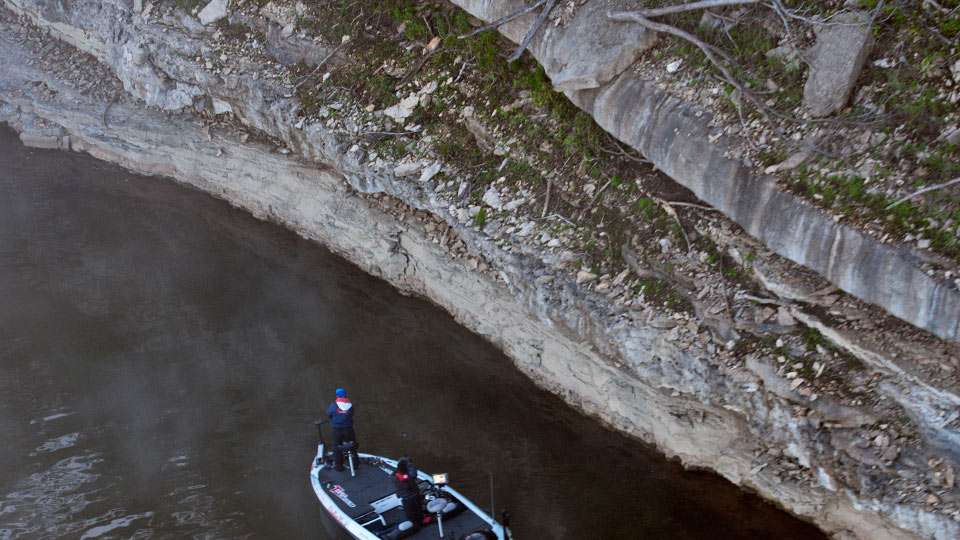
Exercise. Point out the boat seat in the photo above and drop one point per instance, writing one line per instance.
(441, 505)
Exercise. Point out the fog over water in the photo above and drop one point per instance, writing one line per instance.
(163, 357)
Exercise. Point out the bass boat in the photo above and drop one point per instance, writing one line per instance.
(362, 499)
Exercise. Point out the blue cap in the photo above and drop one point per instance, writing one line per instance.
(341, 392)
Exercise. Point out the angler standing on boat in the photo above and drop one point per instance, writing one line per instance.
(340, 413)
(408, 492)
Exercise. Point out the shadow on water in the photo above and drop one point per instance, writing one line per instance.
(163, 356)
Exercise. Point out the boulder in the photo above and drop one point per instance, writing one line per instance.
(430, 171)
(214, 11)
(409, 168)
(839, 54)
(492, 198)
(588, 51)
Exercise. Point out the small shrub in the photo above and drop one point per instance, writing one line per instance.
(481, 218)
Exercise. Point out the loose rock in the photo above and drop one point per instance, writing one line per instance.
(838, 56)
(214, 11)
(585, 277)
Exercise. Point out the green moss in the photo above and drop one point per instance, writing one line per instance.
(771, 156)
(485, 50)
(481, 218)
(950, 27)
(850, 195)
(414, 27)
(521, 171)
(658, 291)
(458, 146)
(309, 98)
(813, 338)
(944, 162)
(378, 87)
(924, 113)
(535, 81)
(647, 208)
(391, 147)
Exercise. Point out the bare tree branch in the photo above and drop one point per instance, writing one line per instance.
(782, 11)
(374, 136)
(936, 6)
(534, 28)
(619, 151)
(599, 192)
(708, 50)
(504, 20)
(692, 6)
(416, 67)
(546, 202)
(692, 205)
(673, 213)
(922, 191)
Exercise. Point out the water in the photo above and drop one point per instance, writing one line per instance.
(163, 356)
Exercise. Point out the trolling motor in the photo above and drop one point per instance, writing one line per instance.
(321, 442)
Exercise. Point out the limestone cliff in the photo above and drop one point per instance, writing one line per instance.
(861, 441)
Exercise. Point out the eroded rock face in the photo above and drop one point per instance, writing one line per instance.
(837, 58)
(821, 458)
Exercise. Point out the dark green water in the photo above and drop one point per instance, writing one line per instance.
(163, 356)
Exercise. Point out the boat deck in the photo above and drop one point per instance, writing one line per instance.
(369, 498)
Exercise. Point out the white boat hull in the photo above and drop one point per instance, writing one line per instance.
(359, 532)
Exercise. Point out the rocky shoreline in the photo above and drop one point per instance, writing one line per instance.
(872, 456)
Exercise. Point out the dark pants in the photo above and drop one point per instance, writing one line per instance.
(413, 509)
(340, 436)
